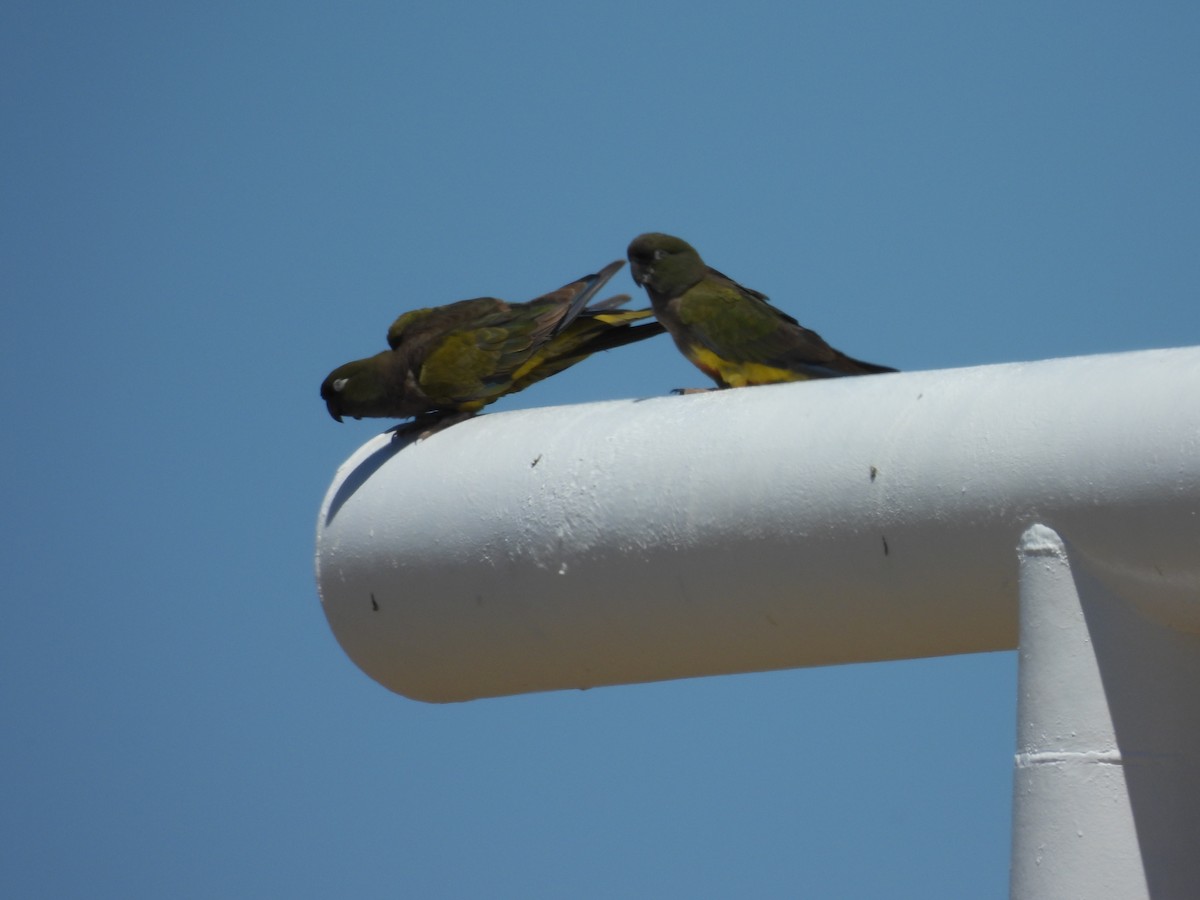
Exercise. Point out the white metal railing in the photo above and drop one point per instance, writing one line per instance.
(807, 524)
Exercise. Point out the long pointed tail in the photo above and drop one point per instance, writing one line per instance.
(591, 286)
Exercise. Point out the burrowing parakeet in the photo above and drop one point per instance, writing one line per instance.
(448, 362)
(731, 333)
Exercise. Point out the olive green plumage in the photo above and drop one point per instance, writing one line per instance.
(448, 362)
(731, 333)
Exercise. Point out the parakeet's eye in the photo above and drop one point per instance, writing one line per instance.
(339, 384)
(659, 254)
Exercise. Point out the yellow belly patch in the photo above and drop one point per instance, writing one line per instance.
(740, 374)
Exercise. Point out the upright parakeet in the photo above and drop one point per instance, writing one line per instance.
(448, 362)
(731, 333)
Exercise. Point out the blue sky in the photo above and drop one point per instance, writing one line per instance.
(206, 207)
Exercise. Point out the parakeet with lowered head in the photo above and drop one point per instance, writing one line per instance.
(448, 362)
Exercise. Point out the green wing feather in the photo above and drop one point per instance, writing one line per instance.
(740, 325)
(594, 330)
(475, 351)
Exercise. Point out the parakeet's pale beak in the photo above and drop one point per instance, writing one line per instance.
(331, 393)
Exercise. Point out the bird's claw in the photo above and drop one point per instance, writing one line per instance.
(426, 425)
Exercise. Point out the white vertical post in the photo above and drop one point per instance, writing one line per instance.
(1107, 772)
(1073, 830)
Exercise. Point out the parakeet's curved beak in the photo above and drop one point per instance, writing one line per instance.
(331, 398)
(330, 393)
(641, 272)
